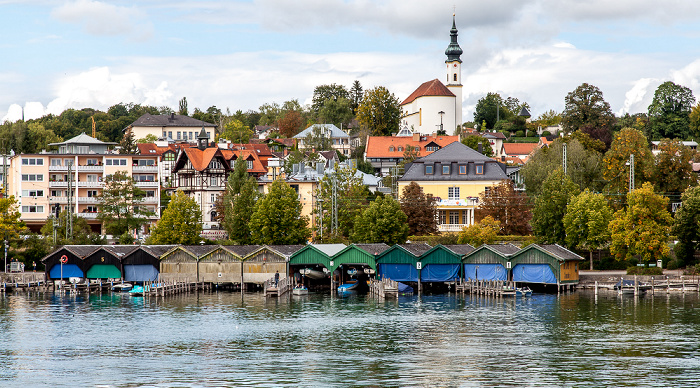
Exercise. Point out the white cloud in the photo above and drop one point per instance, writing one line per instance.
(102, 19)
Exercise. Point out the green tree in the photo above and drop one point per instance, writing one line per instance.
(507, 206)
(473, 141)
(237, 132)
(674, 169)
(383, 221)
(480, 233)
(269, 114)
(10, 224)
(643, 228)
(183, 107)
(82, 233)
(150, 138)
(379, 111)
(277, 217)
(586, 222)
(489, 110)
(326, 93)
(694, 122)
(685, 226)
(238, 202)
(549, 118)
(337, 112)
(355, 95)
(615, 169)
(180, 223)
(128, 144)
(420, 210)
(585, 105)
(669, 112)
(120, 204)
(550, 208)
(39, 137)
(351, 198)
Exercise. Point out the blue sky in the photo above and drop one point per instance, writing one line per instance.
(241, 54)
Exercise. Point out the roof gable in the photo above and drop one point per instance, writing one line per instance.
(430, 88)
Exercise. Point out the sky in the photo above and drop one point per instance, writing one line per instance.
(56, 55)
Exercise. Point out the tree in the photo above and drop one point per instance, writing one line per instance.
(685, 226)
(383, 221)
(351, 199)
(150, 138)
(269, 114)
(585, 105)
(550, 208)
(643, 228)
(10, 224)
(290, 123)
(615, 169)
(489, 110)
(507, 206)
(674, 169)
(549, 118)
(420, 210)
(237, 132)
(355, 96)
(128, 144)
(325, 93)
(238, 202)
(183, 107)
(379, 111)
(180, 223)
(337, 112)
(473, 141)
(694, 122)
(669, 112)
(483, 232)
(586, 222)
(39, 137)
(277, 218)
(82, 234)
(120, 204)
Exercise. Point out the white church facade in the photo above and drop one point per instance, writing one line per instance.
(435, 106)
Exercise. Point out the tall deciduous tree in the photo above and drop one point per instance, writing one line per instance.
(290, 123)
(379, 111)
(235, 207)
(180, 223)
(583, 165)
(480, 233)
(674, 169)
(473, 141)
(694, 122)
(669, 111)
(507, 206)
(550, 207)
(351, 198)
(420, 210)
(237, 132)
(128, 144)
(120, 204)
(586, 222)
(277, 218)
(324, 93)
(685, 227)
(10, 224)
(489, 109)
(642, 229)
(337, 112)
(183, 107)
(615, 163)
(383, 221)
(585, 105)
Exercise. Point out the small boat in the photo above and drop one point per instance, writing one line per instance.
(352, 272)
(122, 287)
(138, 290)
(404, 288)
(300, 290)
(347, 287)
(523, 291)
(508, 291)
(312, 273)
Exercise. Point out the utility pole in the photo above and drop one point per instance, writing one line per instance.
(69, 211)
(563, 158)
(631, 173)
(334, 205)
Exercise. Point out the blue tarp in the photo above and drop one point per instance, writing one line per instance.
(69, 271)
(485, 272)
(534, 273)
(405, 288)
(439, 272)
(398, 272)
(140, 273)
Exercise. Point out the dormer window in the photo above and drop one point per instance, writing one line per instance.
(446, 169)
(400, 149)
(479, 169)
(428, 169)
(391, 149)
(462, 169)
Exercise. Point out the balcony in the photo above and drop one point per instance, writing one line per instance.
(58, 184)
(87, 200)
(90, 184)
(59, 200)
(451, 227)
(148, 184)
(150, 200)
(89, 216)
(464, 202)
(142, 169)
(58, 168)
(90, 168)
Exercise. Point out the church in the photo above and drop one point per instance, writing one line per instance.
(435, 106)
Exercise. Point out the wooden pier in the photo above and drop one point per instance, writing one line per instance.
(486, 287)
(383, 288)
(282, 287)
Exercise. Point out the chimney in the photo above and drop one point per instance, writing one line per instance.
(434, 134)
(416, 136)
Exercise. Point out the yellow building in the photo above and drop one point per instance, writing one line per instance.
(455, 175)
(40, 182)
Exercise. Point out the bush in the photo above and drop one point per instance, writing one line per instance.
(531, 134)
(645, 271)
(519, 133)
(692, 270)
(607, 263)
(674, 264)
(546, 133)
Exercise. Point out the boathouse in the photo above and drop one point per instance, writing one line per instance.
(263, 262)
(181, 262)
(74, 266)
(142, 264)
(442, 264)
(546, 264)
(315, 255)
(224, 264)
(401, 262)
(360, 255)
(106, 261)
(489, 262)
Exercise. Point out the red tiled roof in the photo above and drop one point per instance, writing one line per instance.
(200, 158)
(152, 149)
(379, 146)
(514, 149)
(258, 166)
(430, 88)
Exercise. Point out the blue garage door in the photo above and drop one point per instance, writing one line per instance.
(534, 273)
(485, 272)
(398, 272)
(69, 271)
(140, 273)
(439, 273)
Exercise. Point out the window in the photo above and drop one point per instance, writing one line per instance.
(453, 193)
(428, 169)
(145, 162)
(454, 77)
(150, 194)
(214, 181)
(165, 133)
(67, 162)
(32, 178)
(32, 209)
(400, 149)
(178, 135)
(92, 178)
(417, 148)
(32, 193)
(391, 149)
(55, 162)
(445, 169)
(83, 149)
(92, 162)
(443, 217)
(454, 217)
(212, 198)
(465, 217)
(169, 157)
(170, 134)
(191, 135)
(32, 162)
(115, 162)
(250, 164)
(57, 193)
(462, 169)
(480, 169)
(208, 135)
(92, 193)
(91, 209)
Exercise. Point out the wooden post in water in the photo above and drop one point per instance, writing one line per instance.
(636, 286)
(596, 287)
(683, 283)
(652, 285)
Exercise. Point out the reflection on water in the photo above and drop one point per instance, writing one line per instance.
(230, 339)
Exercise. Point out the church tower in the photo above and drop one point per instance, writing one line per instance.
(454, 73)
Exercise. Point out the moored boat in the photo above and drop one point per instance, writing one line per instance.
(312, 273)
(138, 290)
(349, 286)
(300, 290)
(122, 287)
(523, 291)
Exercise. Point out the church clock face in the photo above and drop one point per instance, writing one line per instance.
(455, 65)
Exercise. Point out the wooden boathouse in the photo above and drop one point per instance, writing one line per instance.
(546, 264)
(223, 264)
(106, 262)
(264, 262)
(489, 262)
(442, 264)
(74, 266)
(401, 262)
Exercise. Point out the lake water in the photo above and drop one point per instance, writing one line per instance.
(232, 340)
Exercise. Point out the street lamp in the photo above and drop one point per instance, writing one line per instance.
(441, 113)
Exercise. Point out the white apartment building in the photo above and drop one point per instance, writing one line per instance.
(40, 182)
